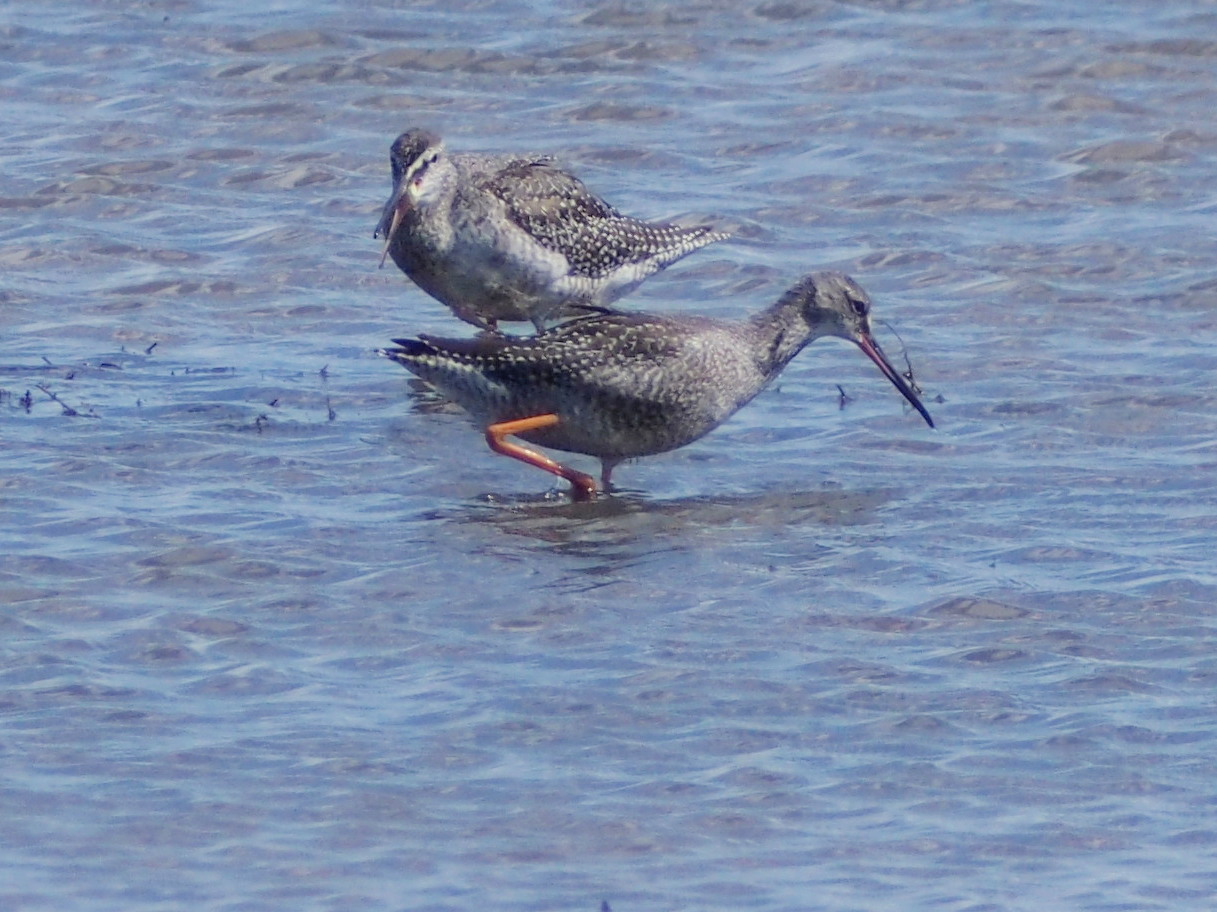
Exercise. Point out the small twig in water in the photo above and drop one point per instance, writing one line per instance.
(67, 409)
(844, 399)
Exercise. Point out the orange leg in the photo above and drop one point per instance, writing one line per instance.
(582, 487)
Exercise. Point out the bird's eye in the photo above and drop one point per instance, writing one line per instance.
(859, 306)
(423, 164)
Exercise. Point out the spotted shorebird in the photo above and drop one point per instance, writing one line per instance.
(620, 385)
(502, 238)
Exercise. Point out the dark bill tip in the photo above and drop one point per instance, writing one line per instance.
(875, 353)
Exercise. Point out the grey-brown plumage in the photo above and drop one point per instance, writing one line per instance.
(502, 238)
(623, 385)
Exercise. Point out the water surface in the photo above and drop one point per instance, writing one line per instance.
(280, 633)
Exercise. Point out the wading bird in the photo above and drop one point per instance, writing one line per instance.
(620, 385)
(502, 238)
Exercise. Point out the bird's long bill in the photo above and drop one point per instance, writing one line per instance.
(395, 208)
(875, 353)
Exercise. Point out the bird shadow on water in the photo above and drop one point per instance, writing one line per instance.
(628, 520)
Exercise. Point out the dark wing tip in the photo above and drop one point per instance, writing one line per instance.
(411, 346)
(711, 234)
(407, 350)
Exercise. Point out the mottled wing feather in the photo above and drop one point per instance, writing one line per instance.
(534, 189)
(624, 385)
(579, 351)
(556, 209)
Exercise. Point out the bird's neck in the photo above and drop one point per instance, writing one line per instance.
(429, 220)
(440, 185)
(779, 333)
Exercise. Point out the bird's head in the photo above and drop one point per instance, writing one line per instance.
(833, 304)
(413, 158)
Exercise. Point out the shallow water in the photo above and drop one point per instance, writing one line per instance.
(280, 633)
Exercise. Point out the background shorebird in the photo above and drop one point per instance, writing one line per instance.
(508, 238)
(621, 385)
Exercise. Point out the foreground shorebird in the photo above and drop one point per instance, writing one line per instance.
(508, 238)
(621, 385)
